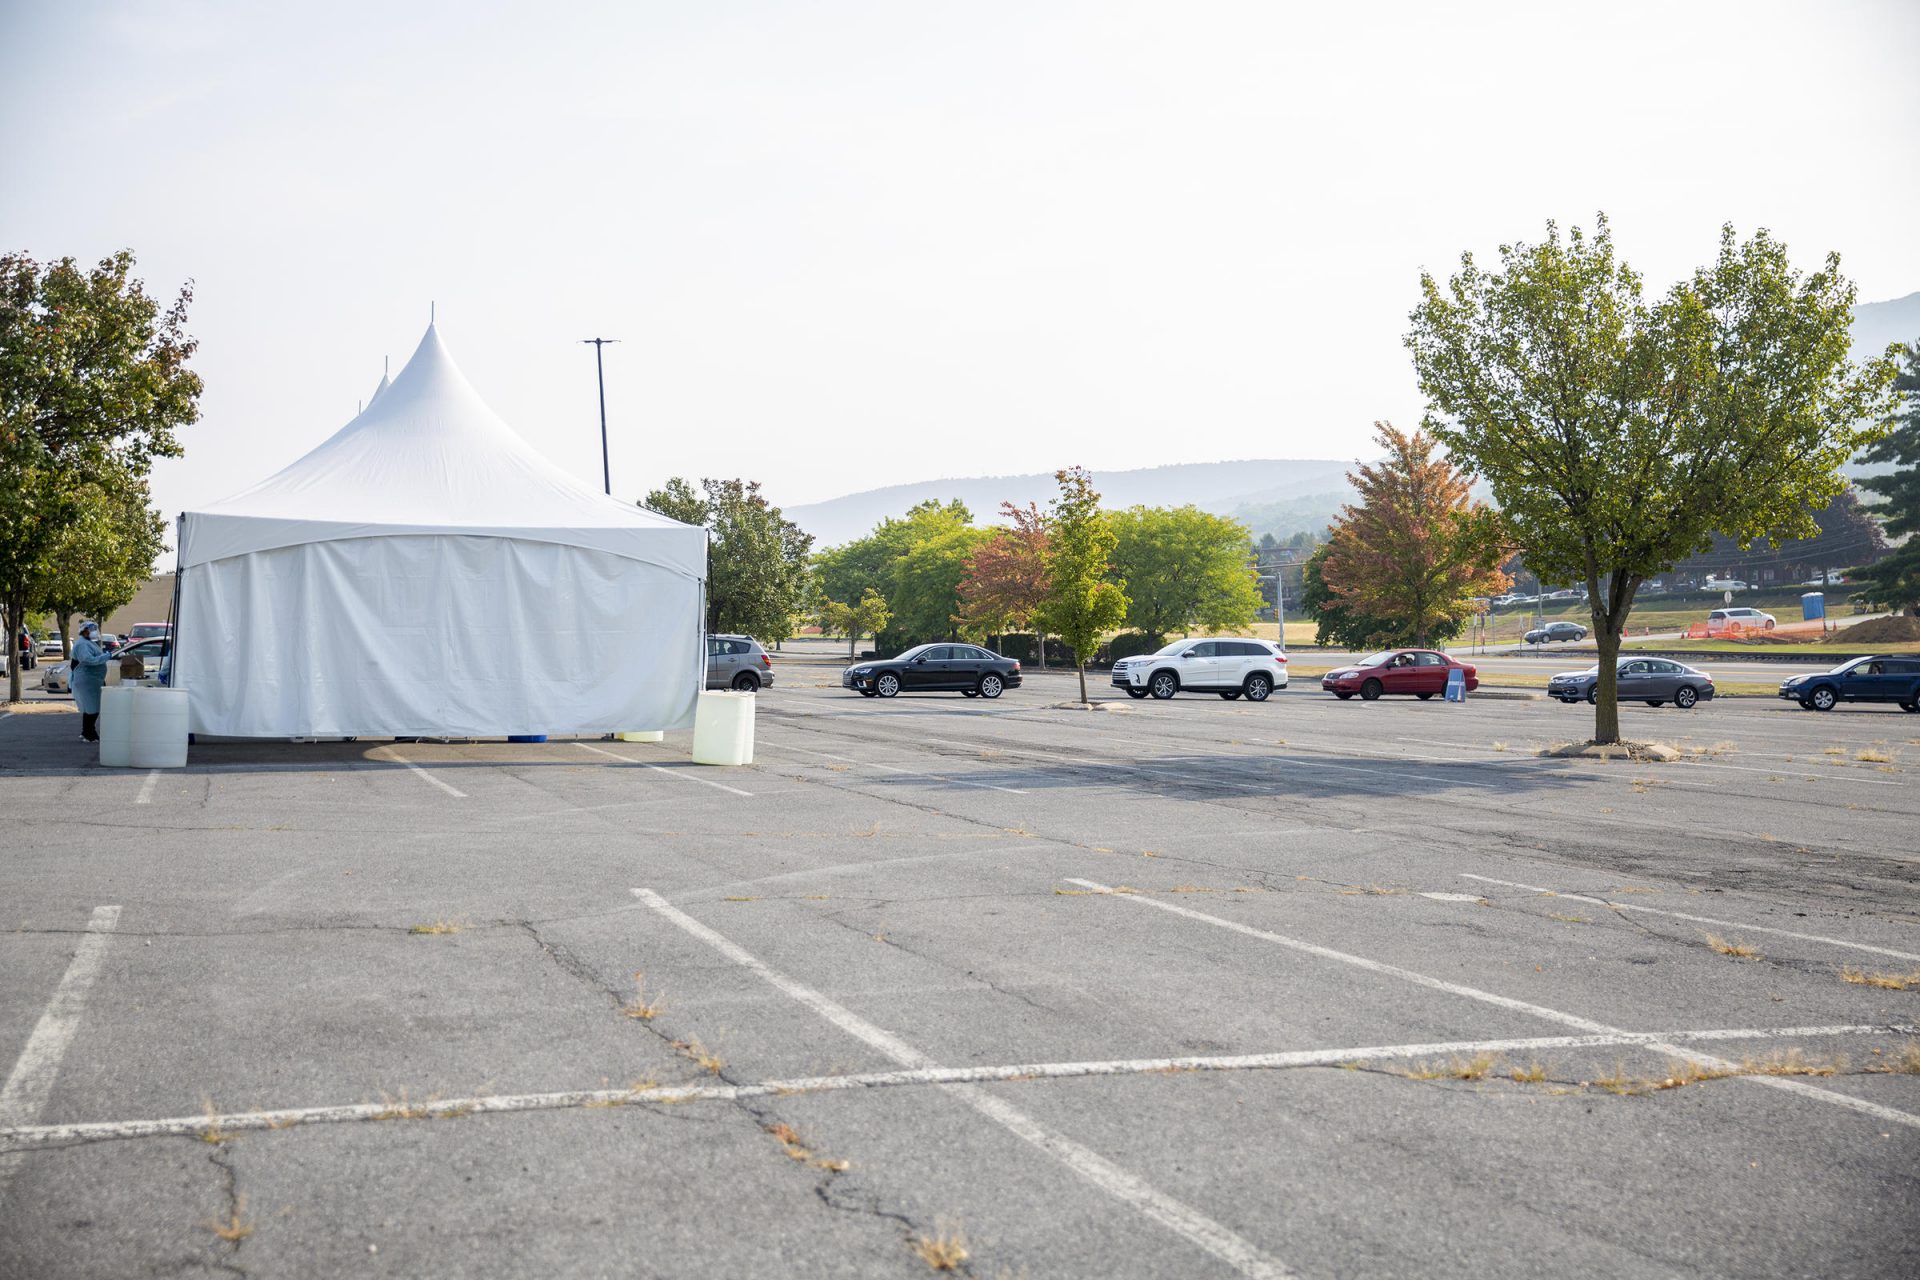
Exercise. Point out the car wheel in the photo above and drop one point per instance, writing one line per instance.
(991, 685)
(1136, 693)
(868, 693)
(1569, 701)
(1164, 684)
(969, 693)
(1823, 699)
(1258, 687)
(1229, 694)
(746, 682)
(1768, 626)
(887, 685)
(1370, 690)
(1911, 706)
(1685, 696)
(1658, 702)
(1423, 696)
(1593, 695)
(1805, 705)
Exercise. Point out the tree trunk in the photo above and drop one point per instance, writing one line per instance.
(1609, 613)
(1083, 676)
(853, 642)
(65, 619)
(1040, 639)
(16, 613)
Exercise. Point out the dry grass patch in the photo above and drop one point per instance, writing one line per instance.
(1717, 749)
(1738, 950)
(693, 1051)
(437, 927)
(1475, 1068)
(799, 1152)
(233, 1230)
(213, 1135)
(1499, 746)
(1884, 981)
(1906, 1062)
(1191, 888)
(640, 1007)
(1872, 755)
(945, 1250)
(1532, 1073)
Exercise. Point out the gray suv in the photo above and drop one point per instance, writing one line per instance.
(737, 662)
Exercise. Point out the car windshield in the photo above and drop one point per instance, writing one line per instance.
(913, 653)
(1848, 665)
(1177, 646)
(1376, 659)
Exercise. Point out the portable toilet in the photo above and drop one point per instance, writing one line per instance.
(1813, 606)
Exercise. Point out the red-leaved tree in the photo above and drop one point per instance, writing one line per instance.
(1417, 548)
(1006, 579)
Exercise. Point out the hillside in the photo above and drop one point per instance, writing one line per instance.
(1875, 324)
(1303, 491)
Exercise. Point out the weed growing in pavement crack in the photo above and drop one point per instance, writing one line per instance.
(437, 927)
(233, 1230)
(1884, 981)
(944, 1250)
(1738, 950)
(640, 1007)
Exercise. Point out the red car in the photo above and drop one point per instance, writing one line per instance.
(1420, 672)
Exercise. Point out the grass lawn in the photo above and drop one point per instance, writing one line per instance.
(1734, 648)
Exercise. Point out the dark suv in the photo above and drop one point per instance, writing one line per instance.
(1877, 679)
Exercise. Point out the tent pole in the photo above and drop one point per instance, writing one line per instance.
(600, 373)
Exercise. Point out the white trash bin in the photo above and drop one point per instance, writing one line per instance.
(143, 727)
(723, 728)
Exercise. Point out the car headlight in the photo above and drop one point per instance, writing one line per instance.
(863, 671)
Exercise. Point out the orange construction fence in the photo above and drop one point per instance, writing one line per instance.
(1742, 631)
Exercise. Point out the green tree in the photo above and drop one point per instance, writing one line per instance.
(102, 558)
(1894, 582)
(757, 561)
(866, 616)
(1618, 435)
(1337, 622)
(1417, 549)
(1184, 568)
(916, 562)
(93, 385)
(1083, 602)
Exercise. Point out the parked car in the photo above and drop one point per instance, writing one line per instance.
(1556, 631)
(50, 645)
(1654, 681)
(1230, 668)
(1751, 619)
(149, 630)
(1725, 584)
(966, 669)
(1420, 672)
(1891, 678)
(738, 662)
(153, 654)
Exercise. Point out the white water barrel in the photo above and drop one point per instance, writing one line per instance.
(723, 728)
(143, 727)
(116, 725)
(642, 735)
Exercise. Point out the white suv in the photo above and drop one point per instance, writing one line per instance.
(1226, 667)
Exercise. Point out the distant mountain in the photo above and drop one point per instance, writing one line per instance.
(1300, 487)
(1875, 324)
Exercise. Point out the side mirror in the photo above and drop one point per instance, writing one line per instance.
(1187, 654)
(922, 658)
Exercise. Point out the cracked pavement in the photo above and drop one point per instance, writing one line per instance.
(314, 925)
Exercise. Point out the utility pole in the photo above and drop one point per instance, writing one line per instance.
(600, 372)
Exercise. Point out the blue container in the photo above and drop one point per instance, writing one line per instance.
(1813, 606)
(526, 737)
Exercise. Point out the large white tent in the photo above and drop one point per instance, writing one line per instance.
(427, 572)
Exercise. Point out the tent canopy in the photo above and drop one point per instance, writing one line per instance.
(429, 456)
(425, 571)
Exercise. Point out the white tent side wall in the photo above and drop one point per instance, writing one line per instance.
(437, 634)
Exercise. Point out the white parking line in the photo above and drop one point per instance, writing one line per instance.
(146, 788)
(1681, 915)
(450, 789)
(887, 768)
(1506, 1002)
(31, 1137)
(1183, 1220)
(658, 768)
(31, 1081)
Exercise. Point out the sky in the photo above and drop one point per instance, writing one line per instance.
(849, 245)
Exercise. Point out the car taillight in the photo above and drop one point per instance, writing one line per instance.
(1280, 658)
(1016, 664)
(766, 659)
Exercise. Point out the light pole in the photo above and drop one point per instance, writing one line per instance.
(600, 372)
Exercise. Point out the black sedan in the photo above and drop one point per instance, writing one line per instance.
(1654, 681)
(966, 669)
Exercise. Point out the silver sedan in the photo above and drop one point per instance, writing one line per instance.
(1654, 681)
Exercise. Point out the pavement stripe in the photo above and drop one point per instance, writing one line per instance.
(1183, 1220)
(658, 768)
(31, 1137)
(146, 788)
(449, 788)
(1681, 915)
(30, 1082)
(1539, 1011)
(887, 768)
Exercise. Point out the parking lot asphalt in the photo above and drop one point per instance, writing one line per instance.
(1184, 988)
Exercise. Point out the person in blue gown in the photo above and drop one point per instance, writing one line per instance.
(88, 676)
